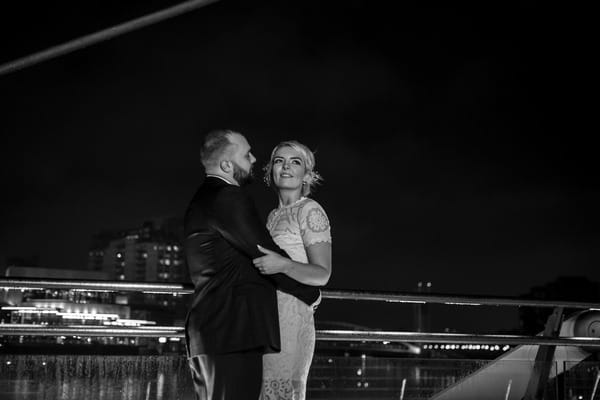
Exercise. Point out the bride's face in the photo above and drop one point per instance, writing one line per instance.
(288, 168)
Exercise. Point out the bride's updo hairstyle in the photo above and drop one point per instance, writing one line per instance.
(313, 177)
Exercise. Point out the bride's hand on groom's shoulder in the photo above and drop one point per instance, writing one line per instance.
(271, 262)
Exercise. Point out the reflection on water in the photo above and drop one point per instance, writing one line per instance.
(100, 377)
(167, 377)
(96, 377)
(384, 378)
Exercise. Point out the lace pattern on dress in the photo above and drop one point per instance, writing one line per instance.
(314, 224)
(278, 389)
(293, 228)
(285, 373)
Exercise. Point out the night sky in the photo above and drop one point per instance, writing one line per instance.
(441, 131)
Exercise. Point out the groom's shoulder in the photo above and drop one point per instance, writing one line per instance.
(221, 192)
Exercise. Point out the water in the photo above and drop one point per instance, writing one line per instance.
(167, 377)
(94, 377)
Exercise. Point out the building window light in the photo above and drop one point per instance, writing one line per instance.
(79, 315)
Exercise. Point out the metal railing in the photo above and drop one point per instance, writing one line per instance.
(383, 296)
(326, 335)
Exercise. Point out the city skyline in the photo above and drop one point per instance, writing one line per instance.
(435, 127)
(118, 251)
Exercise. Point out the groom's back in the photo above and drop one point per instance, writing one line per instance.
(207, 248)
(233, 306)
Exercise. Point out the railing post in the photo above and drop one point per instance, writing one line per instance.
(544, 358)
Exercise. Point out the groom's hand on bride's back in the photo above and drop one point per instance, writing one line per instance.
(271, 263)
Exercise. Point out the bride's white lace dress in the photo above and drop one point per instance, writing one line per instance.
(293, 228)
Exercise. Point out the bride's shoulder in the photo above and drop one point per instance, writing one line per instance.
(310, 206)
(310, 203)
(314, 218)
(271, 213)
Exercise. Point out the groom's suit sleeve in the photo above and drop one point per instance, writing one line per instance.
(239, 223)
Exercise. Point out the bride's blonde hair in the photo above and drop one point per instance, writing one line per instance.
(314, 178)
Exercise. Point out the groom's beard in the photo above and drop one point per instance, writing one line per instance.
(242, 177)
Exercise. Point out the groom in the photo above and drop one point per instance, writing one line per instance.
(233, 317)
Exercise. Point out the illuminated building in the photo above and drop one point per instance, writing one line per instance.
(64, 307)
(150, 253)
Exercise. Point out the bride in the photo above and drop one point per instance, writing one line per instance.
(300, 227)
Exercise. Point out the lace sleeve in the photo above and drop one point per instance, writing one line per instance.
(314, 224)
(270, 217)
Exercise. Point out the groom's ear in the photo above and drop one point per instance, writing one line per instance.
(225, 166)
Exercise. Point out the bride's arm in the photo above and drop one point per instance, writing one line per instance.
(316, 272)
(318, 269)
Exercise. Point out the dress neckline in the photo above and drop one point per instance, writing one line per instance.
(283, 207)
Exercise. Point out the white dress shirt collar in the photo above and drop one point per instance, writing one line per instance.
(221, 178)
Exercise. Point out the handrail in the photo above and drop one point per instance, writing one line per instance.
(389, 297)
(324, 335)
(96, 286)
(456, 338)
(37, 330)
(450, 299)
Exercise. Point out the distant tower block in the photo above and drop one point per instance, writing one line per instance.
(422, 319)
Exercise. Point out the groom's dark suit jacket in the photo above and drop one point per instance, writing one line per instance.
(234, 307)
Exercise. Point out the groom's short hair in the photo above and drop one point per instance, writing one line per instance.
(216, 143)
